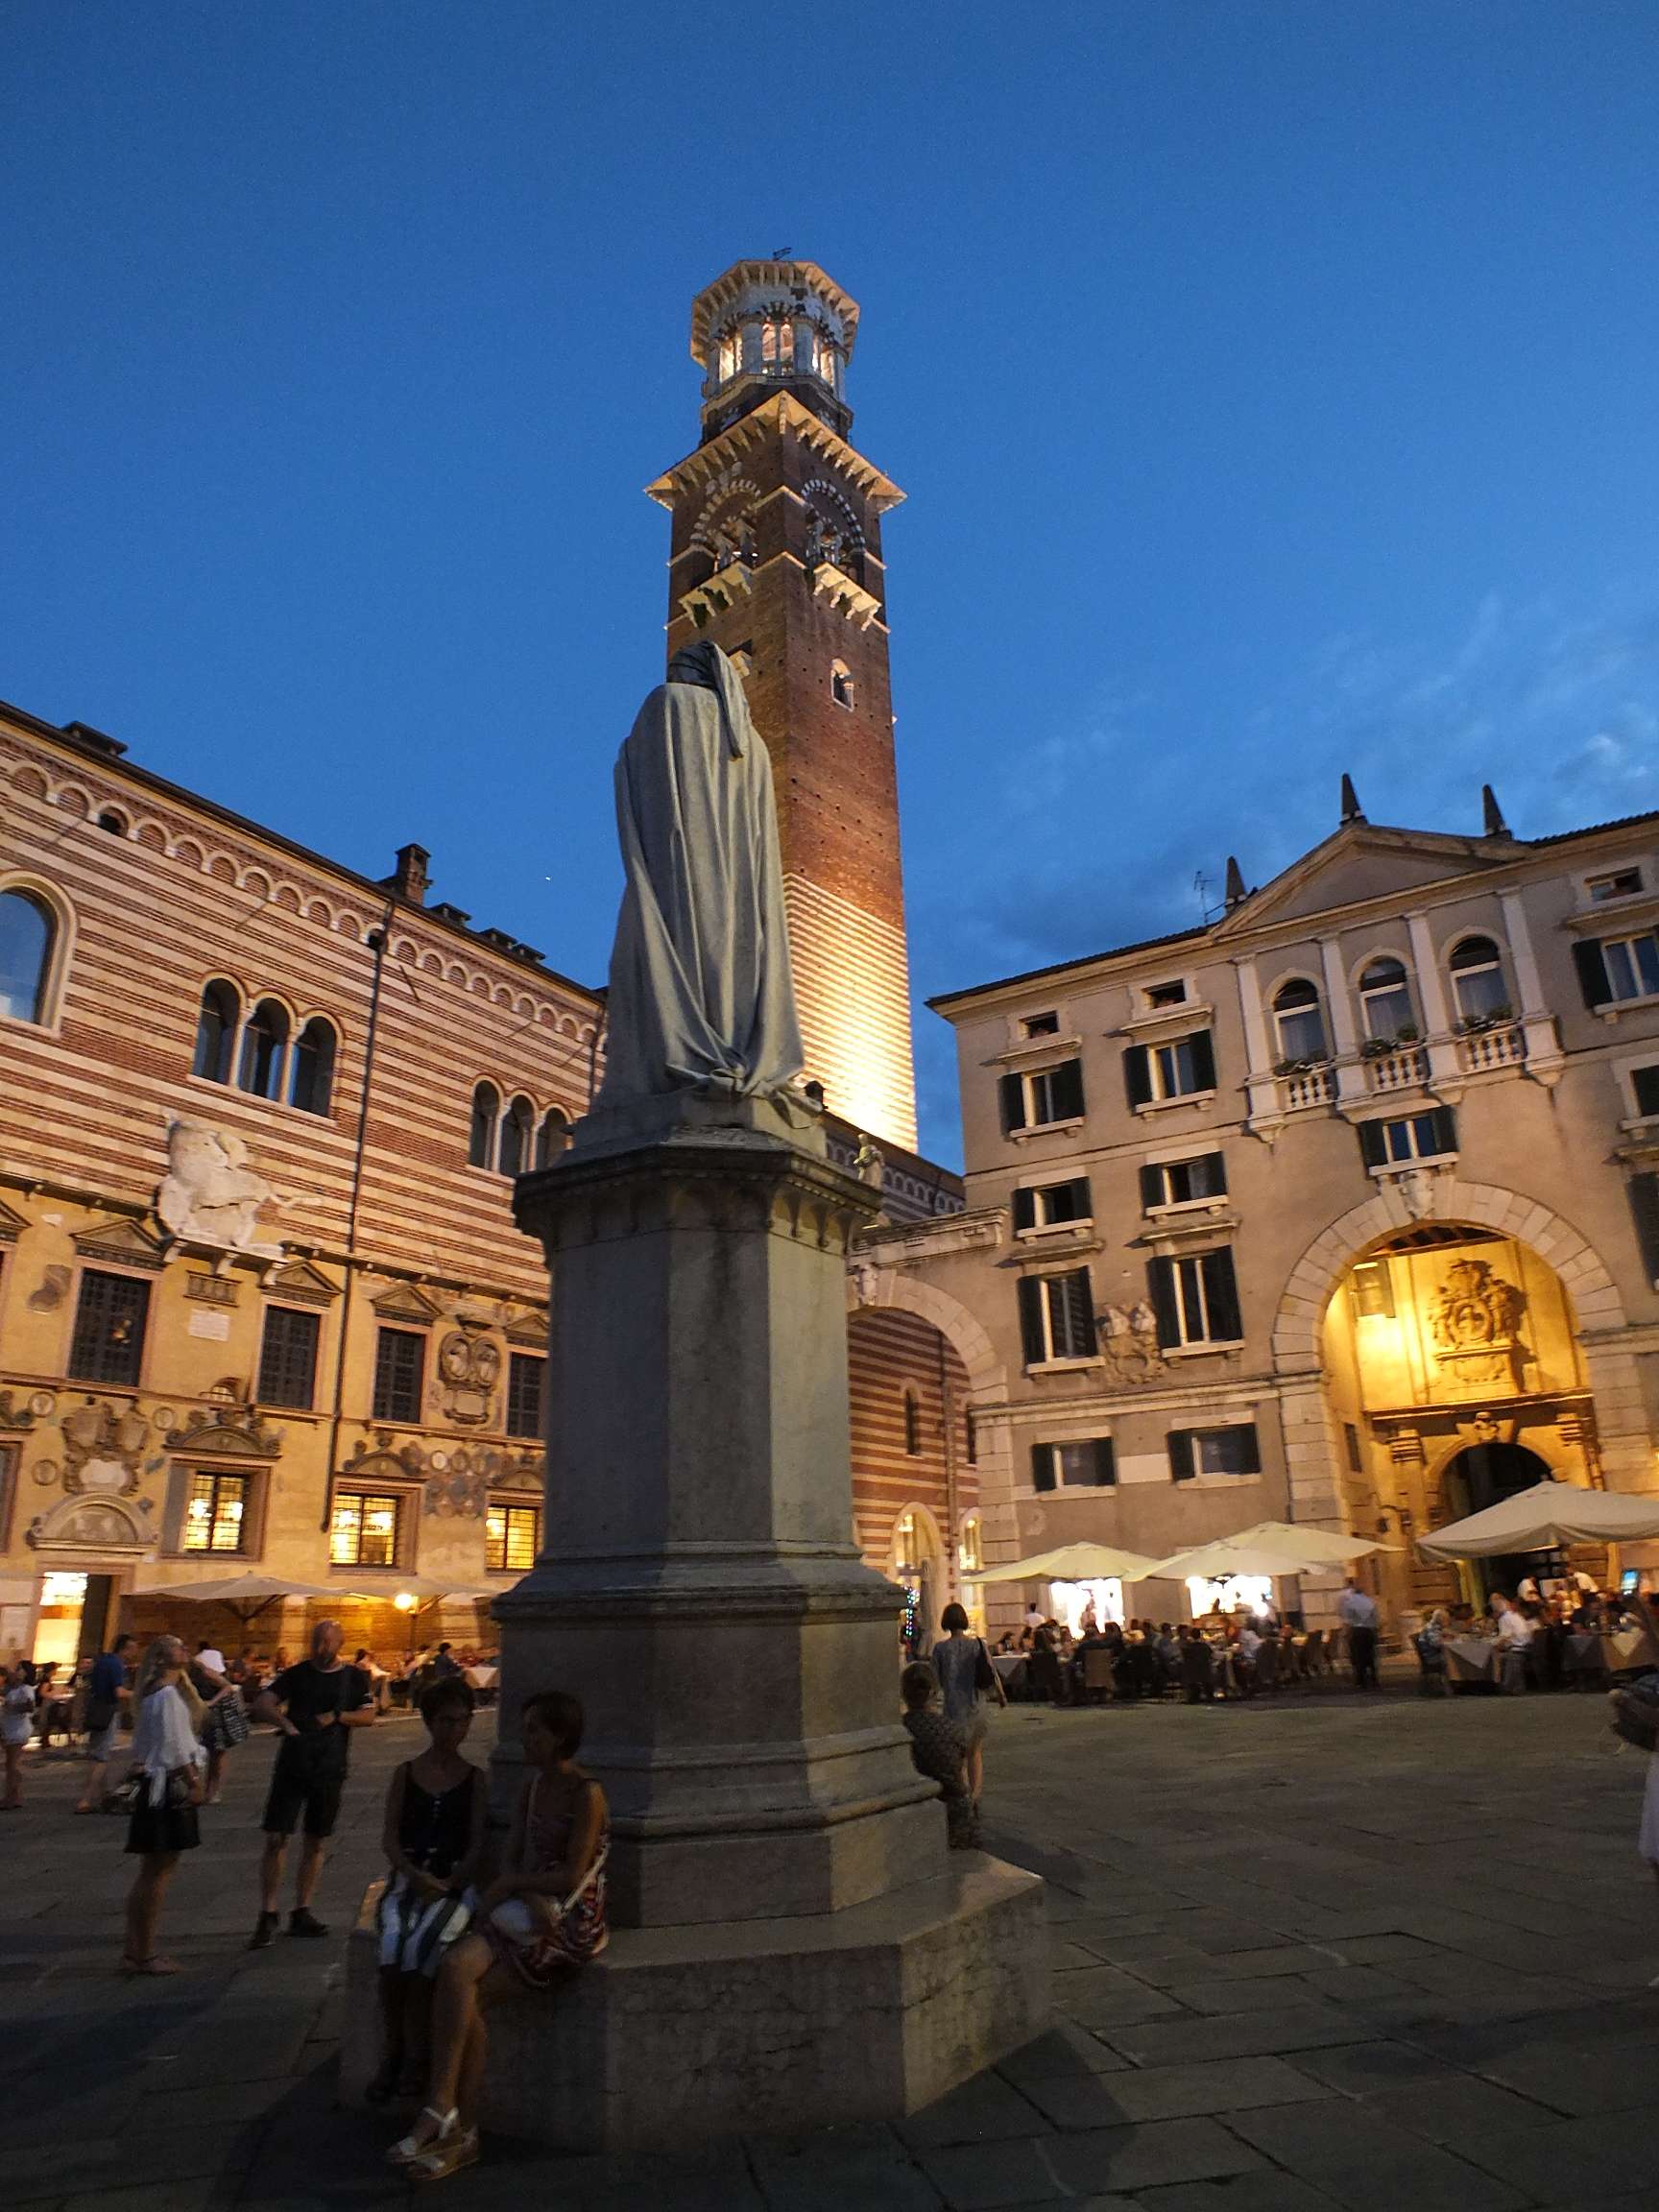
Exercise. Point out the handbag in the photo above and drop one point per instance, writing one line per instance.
(227, 1723)
(984, 1673)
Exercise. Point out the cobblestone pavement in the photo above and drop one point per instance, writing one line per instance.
(1368, 1953)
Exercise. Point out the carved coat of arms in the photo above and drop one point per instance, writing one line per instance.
(1476, 1325)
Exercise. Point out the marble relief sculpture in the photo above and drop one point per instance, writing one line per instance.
(209, 1196)
(701, 997)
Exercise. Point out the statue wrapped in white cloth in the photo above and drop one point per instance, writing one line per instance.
(701, 995)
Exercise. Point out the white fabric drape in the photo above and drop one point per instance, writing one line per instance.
(164, 1740)
(700, 993)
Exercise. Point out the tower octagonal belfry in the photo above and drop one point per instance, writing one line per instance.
(776, 554)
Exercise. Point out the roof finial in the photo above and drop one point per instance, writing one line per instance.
(1352, 810)
(1492, 813)
(1234, 893)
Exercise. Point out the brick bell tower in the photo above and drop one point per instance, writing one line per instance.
(776, 555)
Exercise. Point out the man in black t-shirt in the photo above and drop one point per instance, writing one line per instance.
(314, 1704)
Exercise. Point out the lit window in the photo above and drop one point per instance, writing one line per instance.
(1214, 1452)
(1617, 883)
(512, 1538)
(1385, 1000)
(26, 934)
(1477, 983)
(1056, 1317)
(516, 1134)
(1196, 1300)
(1091, 1465)
(216, 1033)
(214, 1512)
(481, 1135)
(970, 1546)
(108, 1345)
(259, 1065)
(1047, 1095)
(1183, 1182)
(728, 355)
(365, 1530)
(1299, 1021)
(311, 1069)
(1050, 1205)
(1430, 1135)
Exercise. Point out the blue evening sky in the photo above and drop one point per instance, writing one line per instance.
(1273, 381)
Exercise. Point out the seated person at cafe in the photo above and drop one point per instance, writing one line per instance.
(1514, 1643)
(939, 1750)
(1197, 1665)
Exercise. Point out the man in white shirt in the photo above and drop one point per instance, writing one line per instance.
(1514, 1638)
(1357, 1609)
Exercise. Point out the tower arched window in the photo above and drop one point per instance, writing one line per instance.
(28, 932)
(1385, 1000)
(1299, 1021)
(551, 1139)
(311, 1070)
(481, 1136)
(264, 1042)
(1476, 968)
(841, 685)
(912, 1423)
(216, 1031)
(517, 1132)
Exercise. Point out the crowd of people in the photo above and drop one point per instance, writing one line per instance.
(1240, 1654)
(1539, 1637)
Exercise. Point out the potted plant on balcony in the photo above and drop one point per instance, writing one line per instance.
(1475, 1024)
(1376, 1047)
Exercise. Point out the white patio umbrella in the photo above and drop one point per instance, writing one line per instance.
(1313, 1547)
(1080, 1562)
(1216, 1561)
(248, 1593)
(1547, 1515)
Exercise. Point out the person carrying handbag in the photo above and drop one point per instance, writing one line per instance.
(163, 1790)
(970, 1684)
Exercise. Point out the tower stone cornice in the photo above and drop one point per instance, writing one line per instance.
(751, 432)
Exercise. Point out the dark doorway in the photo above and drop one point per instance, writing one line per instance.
(1484, 1475)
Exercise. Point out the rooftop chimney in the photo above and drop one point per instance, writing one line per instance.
(409, 878)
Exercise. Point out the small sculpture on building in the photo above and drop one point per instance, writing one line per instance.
(209, 1196)
(104, 1446)
(1476, 1326)
(1129, 1344)
(468, 1369)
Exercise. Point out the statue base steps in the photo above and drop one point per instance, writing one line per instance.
(676, 2037)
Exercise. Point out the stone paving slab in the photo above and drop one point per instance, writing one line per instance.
(1296, 1973)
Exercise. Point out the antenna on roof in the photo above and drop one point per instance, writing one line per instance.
(1207, 906)
(783, 253)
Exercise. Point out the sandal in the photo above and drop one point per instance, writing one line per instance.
(153, 1964)
(444, 2159)
(406, 2149)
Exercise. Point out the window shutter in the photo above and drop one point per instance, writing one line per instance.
(1066, 1088)
(1645, 1082)
(1074, 1319)
(1105, 1462)
(1248, 1451)
(1025, 1209)
(1221, 1295)
(1041, 1466)
(1012, 1091)
(1645, 1210)
(1181, 1455)
(1138, 1074)
(1031, 1320)
(1202, 1047)
(1373, 1144)
(1081, 1208)
(1151, 1189)
(1445, 1122)
(1161, 1280)
(1218, 1174)
(1592, 972)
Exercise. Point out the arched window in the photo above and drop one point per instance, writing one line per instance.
(970, 1437)
(260, 1067)
(311, 1070)
(1477, 979)
(481, 1139)
(26, 930)
(516, 1135)
(841, 688)
(970, 1546)
(912, 1422)
(112, 819)
(1300, 1022)
(551, 1137)
(1385, 1000)
(216, 1033)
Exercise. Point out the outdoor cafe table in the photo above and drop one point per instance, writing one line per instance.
(482, 1677)
(1472, 1658)
(1611, 1651)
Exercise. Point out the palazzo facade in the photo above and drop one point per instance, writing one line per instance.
(262, 1302)
(1342, 1209)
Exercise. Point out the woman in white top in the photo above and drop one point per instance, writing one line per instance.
(167, 1763)
(16, 1727)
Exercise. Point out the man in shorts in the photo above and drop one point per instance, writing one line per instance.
(314, 1704)
(107, 1694)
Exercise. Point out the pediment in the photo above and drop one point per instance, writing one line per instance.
(120, 1239)
(1358, 863)
(302, 1282)
(406, 1302)
(12, 1224)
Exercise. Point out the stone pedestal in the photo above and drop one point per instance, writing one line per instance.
(788, 1924)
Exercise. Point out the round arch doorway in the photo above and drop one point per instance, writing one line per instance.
(1484, 1475)
(917, 1567)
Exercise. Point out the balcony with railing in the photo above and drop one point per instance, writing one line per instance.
(1491, 1045)
(1401, 1066)
(1303, 1084)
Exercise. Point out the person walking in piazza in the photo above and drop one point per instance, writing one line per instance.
(166, 1779)
(16, 1727)
(966, 1682)
(107, 1695)
(1357, 1609)
(315, 1704)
